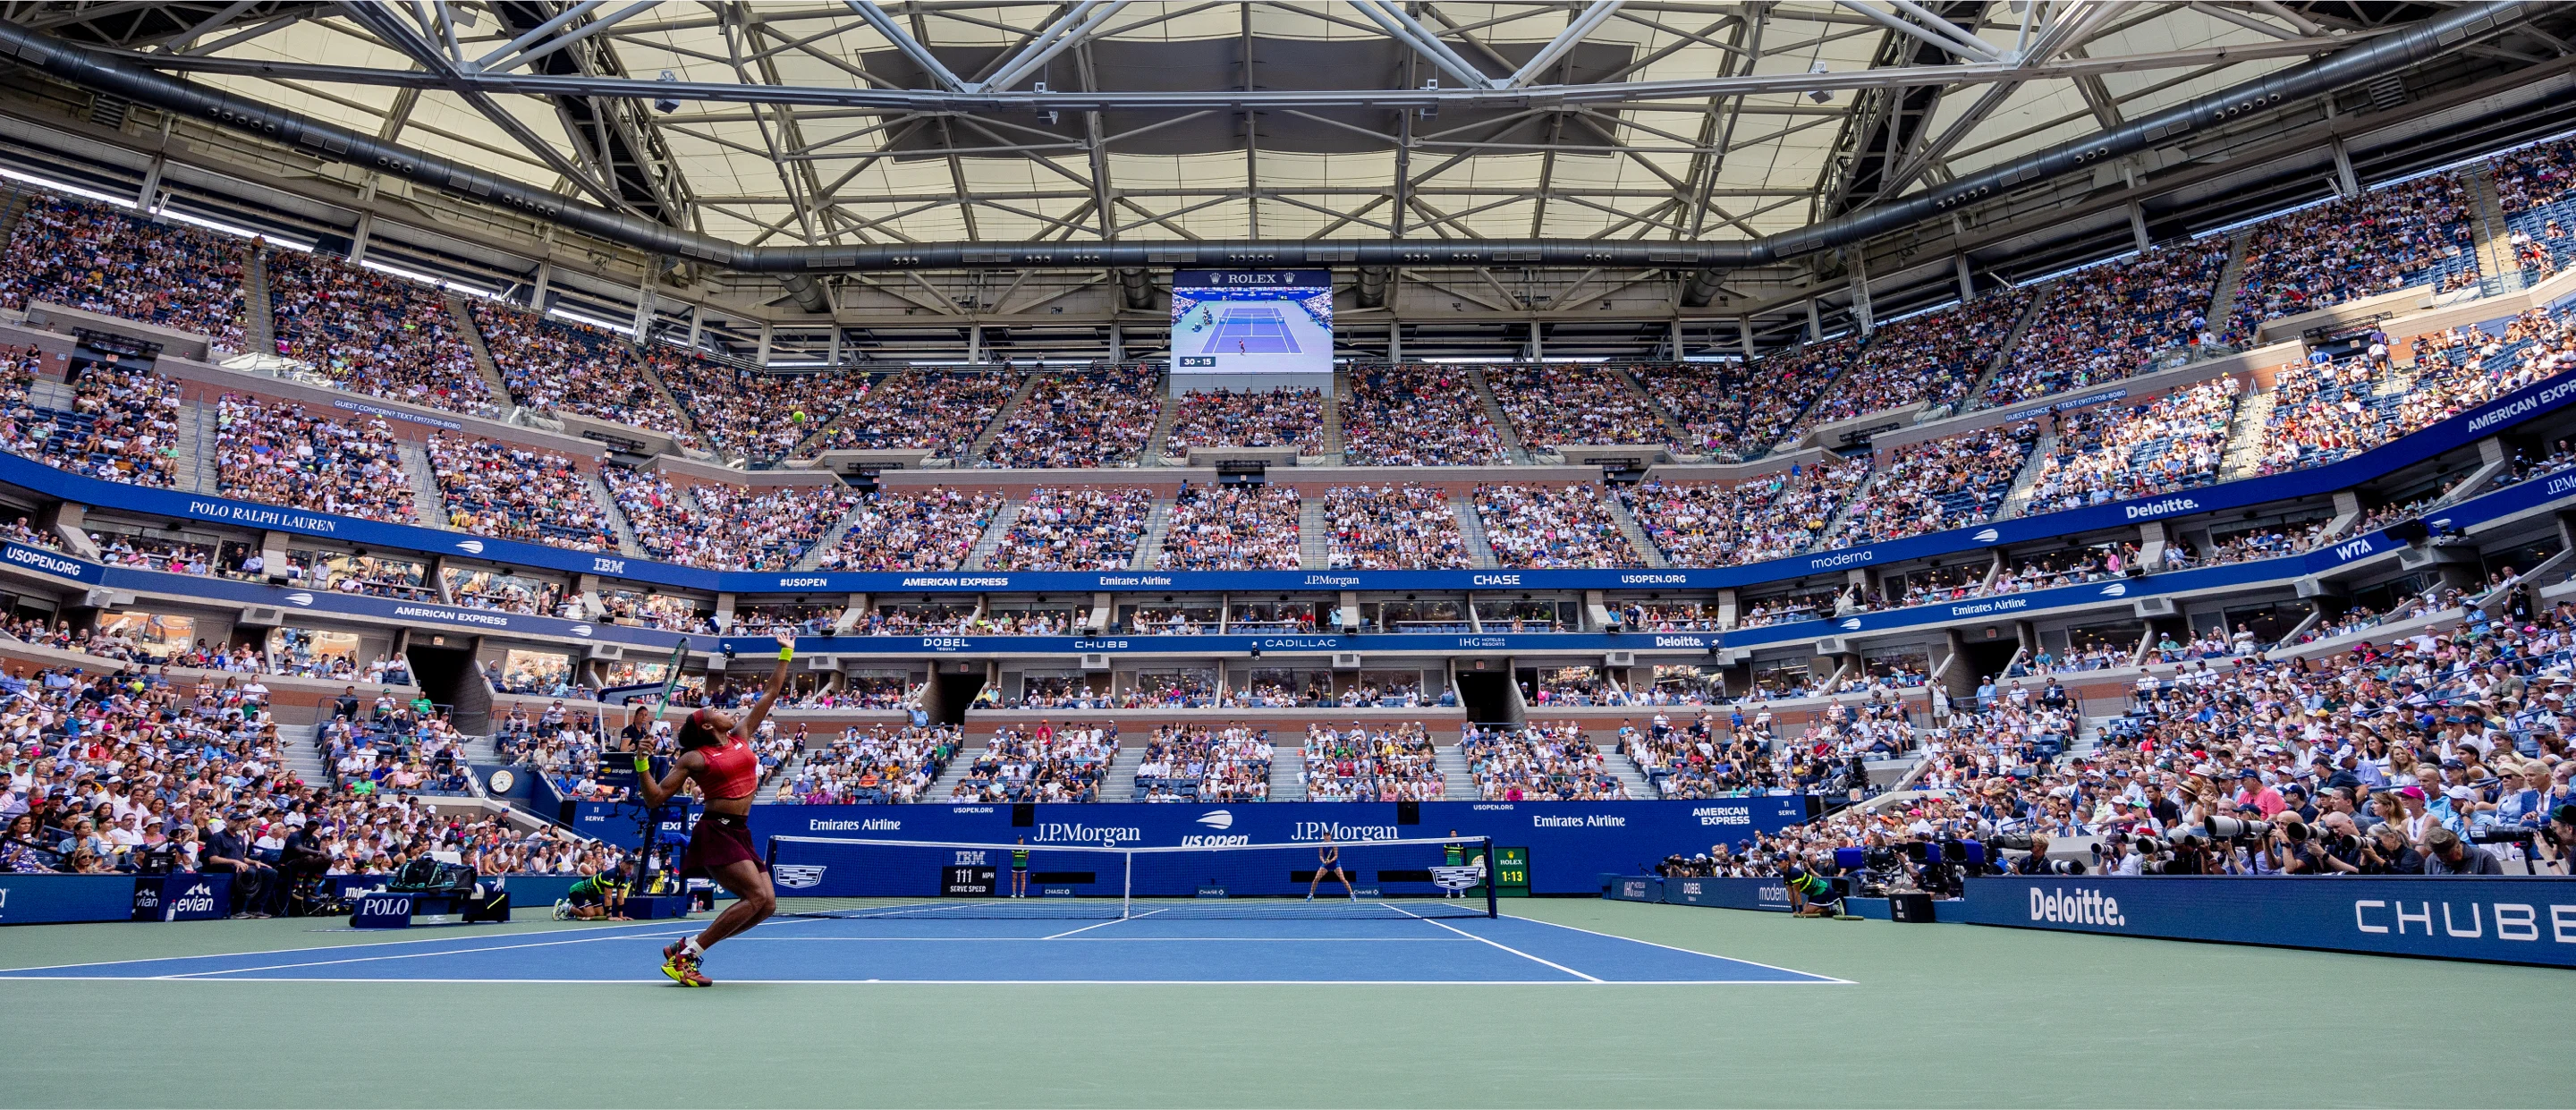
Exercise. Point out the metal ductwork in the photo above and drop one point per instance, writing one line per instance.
(2377, 56)
(809, 293)
(1701, 287)
(1135, 288)
(1371, 291)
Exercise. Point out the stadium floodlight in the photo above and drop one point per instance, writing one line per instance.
(666, 105)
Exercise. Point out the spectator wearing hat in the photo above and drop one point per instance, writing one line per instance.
(2446, 854)
(228, 850)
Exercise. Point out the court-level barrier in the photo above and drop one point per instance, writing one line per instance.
(1569, 844)
(2518, 919)
(189, 896)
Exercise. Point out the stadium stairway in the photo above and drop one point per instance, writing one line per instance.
(1673, 432)
(1333, 441)
(1630, 775)
(831, 537)
(688, 423)
(259, 322)
(1286, 764)
(2231, 277)
(2245, 436)
(196, 464)
(617, 518)
(992, 537)
(1314, 535)
(1119, 785)
(1001, 419)
(955, 773)
(13, 207)
(2023, 482)
(1646, 550)
(428, 503)
(2486, 223)
(1459, 785)
(1471, 528)
(301, 756)
(1162, 434)
(1502, 423)
(1975, 397)
(1158, 520)
(483, 363)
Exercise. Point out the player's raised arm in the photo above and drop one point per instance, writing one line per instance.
(777, 682)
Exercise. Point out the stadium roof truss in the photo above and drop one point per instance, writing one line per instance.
(856, 123)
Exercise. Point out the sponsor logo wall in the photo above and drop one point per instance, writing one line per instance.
(1571, 844)
(2514, 920)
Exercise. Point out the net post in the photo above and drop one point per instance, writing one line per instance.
(1493, 879)
(1127, 883)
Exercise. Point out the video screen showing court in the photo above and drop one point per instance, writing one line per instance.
(1252, 322)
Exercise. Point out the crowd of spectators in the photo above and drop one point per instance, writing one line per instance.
(123, 425)
(1393, 527)
(1411, 415)
(1286, 417)
(1074, 529)
(1040, 764)
(1550, 406)
(872, 764)
(1361, 764)
(1204, 763)
(1934, 484)
(373, 333)
(2382, 241)
(2107, 322)
(1737, 412)
(1704, 524)
(1089, 418)
(1539, 762)
(940, 411)
(1551, 527)
(754, 415)
(1231, 528)
(741, 528)
(86, 255)
(1931, 357)
(281, 455)
(2174, 442)
(912, 529)
(563, 366)
(493, 489)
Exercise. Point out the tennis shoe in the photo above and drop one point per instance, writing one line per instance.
(563, 909)
(683, 967)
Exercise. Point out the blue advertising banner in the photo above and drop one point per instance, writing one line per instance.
(1571, 844)
(622, 823)
(379, 910)
(47, 899)
(1633, 888)
(2451, 434)
(2523, 920)
(185, 896)
(1728, 894)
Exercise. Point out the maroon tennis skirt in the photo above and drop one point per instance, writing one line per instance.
(720, 839)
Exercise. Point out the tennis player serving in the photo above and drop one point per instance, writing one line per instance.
(715, 751)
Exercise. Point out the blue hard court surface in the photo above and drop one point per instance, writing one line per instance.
(934, 950)
(1259, 328)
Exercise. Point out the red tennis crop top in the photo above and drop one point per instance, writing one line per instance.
(732, 770)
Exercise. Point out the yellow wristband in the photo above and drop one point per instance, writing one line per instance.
(786, 653)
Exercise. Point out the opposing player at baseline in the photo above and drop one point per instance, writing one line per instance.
(715, 751)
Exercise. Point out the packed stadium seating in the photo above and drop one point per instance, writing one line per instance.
(281, 455)
(1553, 405)
(87, 255)
(1740, 412)
(1041, 763)
(1205, 763)
(2106, 322)
(1080, 419)
(1231, 528)
(941, 411)
(1931, 357)
(1074, 529)
(1363, 764)
(875, 764)
(1705, 524)
(562, 366)
(1539, 763)
(759, 417)
(1553, 526)
(493, 489)
(2102, 455)
(373, 333)
(1251, 418)
(1393, 526)
(1408, 415)
(2394, 236)
(1936, 484)
(122, 426)
(894, 529)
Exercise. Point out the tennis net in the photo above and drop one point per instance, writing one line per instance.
(836, 877)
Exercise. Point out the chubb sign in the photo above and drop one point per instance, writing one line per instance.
(2528, 920)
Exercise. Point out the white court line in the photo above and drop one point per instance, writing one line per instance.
(1096, 940)
(1495, 943)
(976, 982)
(414, 955)
(568, 927)
(1105, 924)
(1827, 979)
